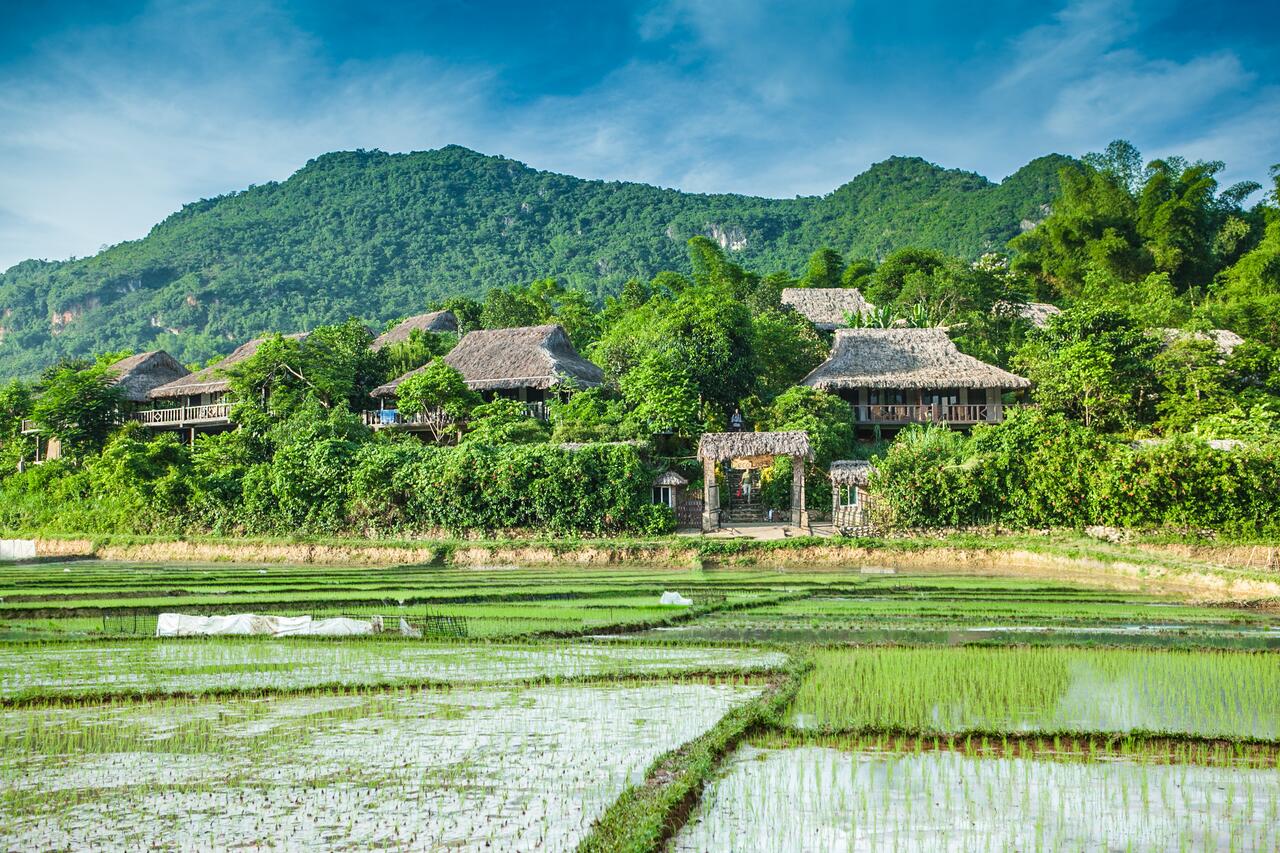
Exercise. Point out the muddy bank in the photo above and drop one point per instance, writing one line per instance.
(1129, 568)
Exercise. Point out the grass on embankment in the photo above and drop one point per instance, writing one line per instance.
(646, 816)
(1066, 555)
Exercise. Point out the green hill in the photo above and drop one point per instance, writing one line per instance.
(380, 236)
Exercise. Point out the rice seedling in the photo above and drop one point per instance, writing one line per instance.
(514, 768)
(1218, 694)
(860, 796)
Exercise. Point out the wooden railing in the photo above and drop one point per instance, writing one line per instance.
(895, 413)
(212, 413)
(379, 418)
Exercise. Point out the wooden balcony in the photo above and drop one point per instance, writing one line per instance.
(383, 418)
(214, 414)
(959, 413)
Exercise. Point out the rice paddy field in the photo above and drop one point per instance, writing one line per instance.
(567, 708)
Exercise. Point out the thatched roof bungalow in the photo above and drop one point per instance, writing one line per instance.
(850, 498)
(827, 307)
(900, 376)
(525, 364)
(436, 321)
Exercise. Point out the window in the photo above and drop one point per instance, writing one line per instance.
(887, 397)
(943, 397)
(664, 495)
(848, 495)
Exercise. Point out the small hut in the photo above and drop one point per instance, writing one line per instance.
(435, 322)
(531, 364)
(1224, 339)
(900, 376)
(137, 375)
(850, 500)
(751, 448)
(1035, 313)
(668, 488)
(827, 307)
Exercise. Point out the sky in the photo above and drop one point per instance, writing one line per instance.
(114, 113)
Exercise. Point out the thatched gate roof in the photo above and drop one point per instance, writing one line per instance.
(722, 446)
(211, 380)
(436, 321)
(850, 472)
(528, 357)
(139, 374)
(904, 358)
(826, 307)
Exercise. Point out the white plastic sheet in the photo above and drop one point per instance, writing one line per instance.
(251, 624)
(675, 598)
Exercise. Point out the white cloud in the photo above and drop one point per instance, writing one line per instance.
(109, 130)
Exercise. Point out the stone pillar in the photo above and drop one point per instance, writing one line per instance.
(799, 512)
(710, 497)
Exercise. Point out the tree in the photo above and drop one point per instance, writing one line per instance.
(504, 421)
(824, 269)
(415, 351)
(1093, 364)
(787, 347)
(662, 395)
(333, 366)
(79, 407)
(439, 395)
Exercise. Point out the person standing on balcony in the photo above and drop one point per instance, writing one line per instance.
(735, 422)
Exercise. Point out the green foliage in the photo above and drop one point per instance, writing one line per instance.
(829, 422)
(591, 415)
(415, 351)
(375, 235)
(1039, 470)
(333, 367)
(438, 390)
(79, 407)
(1094, 364)
(503, 421)
(825, 269)
(1124, 222)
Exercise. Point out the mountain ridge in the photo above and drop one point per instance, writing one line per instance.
(378, 235)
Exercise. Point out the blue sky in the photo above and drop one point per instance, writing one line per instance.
(113, 114)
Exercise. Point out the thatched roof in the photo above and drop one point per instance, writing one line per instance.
(1224, 339)
(436, 321)
(904, 358)
(138, 374)
(850, 472)
(826, 307)
(529, 357)
(740, 445)
(211, 380)
(1036, 313)
(670, 478)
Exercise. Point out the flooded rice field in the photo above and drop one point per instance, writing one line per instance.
(511, 768)
(572, 709)
(816, 798)
(197, 665)
(1207, 694)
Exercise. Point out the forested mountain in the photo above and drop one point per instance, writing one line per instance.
(380, 236)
